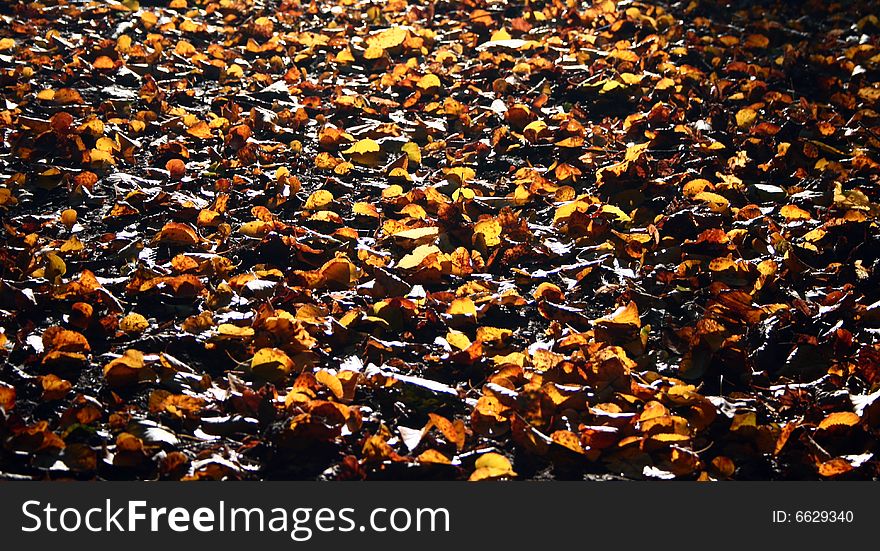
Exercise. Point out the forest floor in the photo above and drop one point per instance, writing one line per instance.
(253, 239)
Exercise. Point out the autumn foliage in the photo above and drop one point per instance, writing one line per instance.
(341, 239)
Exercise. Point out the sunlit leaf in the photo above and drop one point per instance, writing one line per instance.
(491, 466)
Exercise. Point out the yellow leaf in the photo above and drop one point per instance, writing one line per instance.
(500, 34)
(330, 381)
(343, 168)
(255, 228)
(692, 188)
(616, 211)
(746, 117)
(453, 432)
(55, 266)
(319, 199)
(234, 71)
(462, 194)
(535, 130)
(715, 202)
(494, 336)
(433, 456)
(457, 339)
(488, 232)
(339, 273)
(106, 144)
(429, 82)
(365, 209)
(413, 152)
(137, 126)
(390, 38)
(65, 96)
(178, 405)
(200, 130)
(399, 175)
(123, 44)
(627, 315)
(72, 245)
(549, 291)
(7, 397)
(364, 152)
(571, 141)
(373, 52)
(744, 422)
(722, 264)
(417, 256)
(326, 216)
(460, 174)
(134, 323)
(491, 466)
(185, 49)
(630, 78)
(99, 158)
(326, 161)
(232, 331)
(6, 197)
(462, 307)
(392, 191)
(362, 147)
(272, 364)
(418, 233)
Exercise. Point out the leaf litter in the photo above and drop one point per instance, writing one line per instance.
(477, 240)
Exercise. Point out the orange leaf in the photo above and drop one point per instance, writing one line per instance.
(330, 381)
(176, 233)
(7, 398)
(839, 419)
(453, 432)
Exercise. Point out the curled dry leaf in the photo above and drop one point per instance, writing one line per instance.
(178, 234)
(54, 388)
(128, 370)
(176, 169)
(492, 466)
(134, 323)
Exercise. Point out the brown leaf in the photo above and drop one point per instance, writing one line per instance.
(54, 388)
(128, 370)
